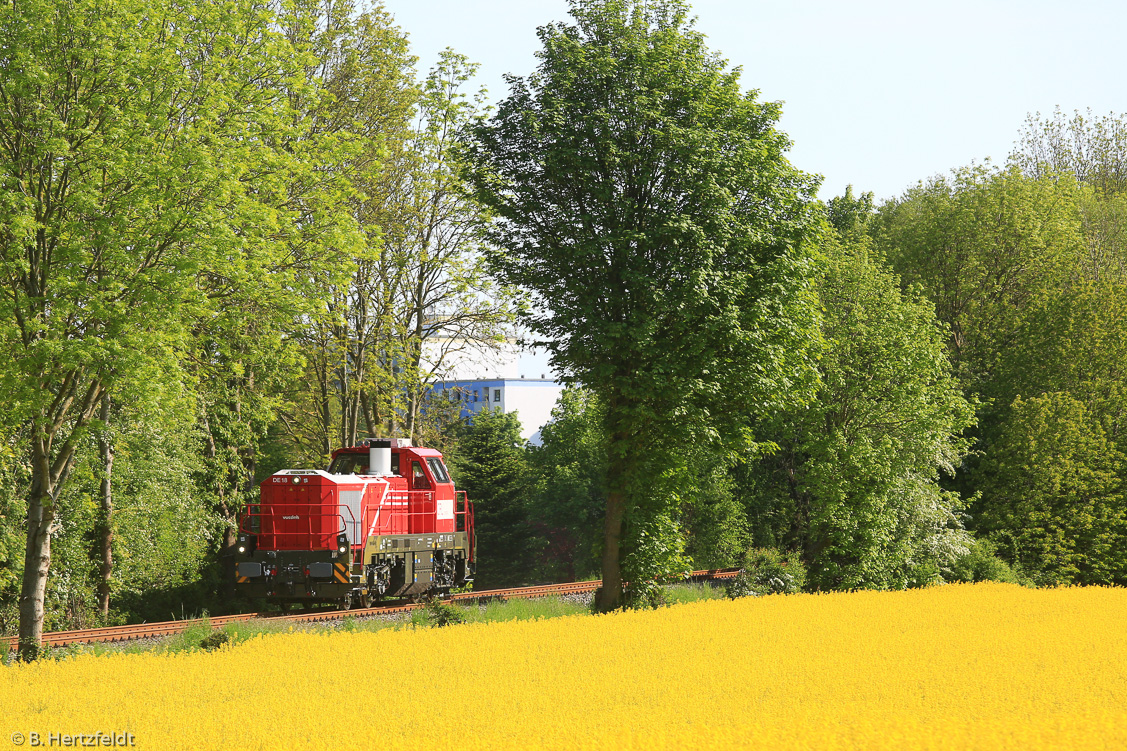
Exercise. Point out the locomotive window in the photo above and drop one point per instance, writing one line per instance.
(438, 469)
(419, 479)
(357, 464)
(350, 464)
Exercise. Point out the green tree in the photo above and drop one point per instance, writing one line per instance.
(132, 138)
(246, 360)
(645, 203)
(1093, 151)
(853, 483)
(1092, 148)
(350, 347)
(1053, 493)
(1074, 343)
(449, 303)
(492, 467)
(986, 246)
(569, 502)
(418, 294)
(1060, 400)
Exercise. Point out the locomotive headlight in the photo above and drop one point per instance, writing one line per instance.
(342, 543)
(242, 548)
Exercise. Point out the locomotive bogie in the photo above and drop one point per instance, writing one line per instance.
(296, 575)
(412, 565)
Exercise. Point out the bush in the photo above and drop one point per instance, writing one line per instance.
(443, 613)
(981, 563)
(766, 571)
(649, 596)
(214, 640)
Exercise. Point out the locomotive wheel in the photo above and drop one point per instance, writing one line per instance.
(345, 602)
(366, 600)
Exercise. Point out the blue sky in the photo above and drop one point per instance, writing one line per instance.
(878, 94)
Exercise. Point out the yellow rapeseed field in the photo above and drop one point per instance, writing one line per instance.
(984, 666)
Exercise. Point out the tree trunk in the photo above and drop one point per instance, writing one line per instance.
(103, 528)
(610, 594)
(36, 563)
(371, 420)
(50, 469)
(620, 460)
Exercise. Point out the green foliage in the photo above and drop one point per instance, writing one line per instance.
(985, 246)
(679, 594)
(157, 206)
(655, 555)
(568, 503)
(647, 199)
(716, 524)
(982, 563)
(443, 613)
(853, 483)
(1075, 343)
(214, 640)
(14, 474)
(491, 466)
(1092, 148)
(766, 571)
(1026, 269)
(416, 292)
(850, 216)
(1053, 493)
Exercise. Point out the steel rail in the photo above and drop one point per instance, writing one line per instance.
(171, 628)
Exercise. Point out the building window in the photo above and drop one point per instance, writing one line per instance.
(496, 395)
(485, 394)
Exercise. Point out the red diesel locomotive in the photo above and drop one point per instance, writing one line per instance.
(384, 521)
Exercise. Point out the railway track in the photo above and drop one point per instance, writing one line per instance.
(171, 628)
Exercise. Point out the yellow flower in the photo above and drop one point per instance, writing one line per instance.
(984, 666)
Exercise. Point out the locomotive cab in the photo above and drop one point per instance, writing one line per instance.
(384, 521)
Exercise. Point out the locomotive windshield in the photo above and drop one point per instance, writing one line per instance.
(438, 469)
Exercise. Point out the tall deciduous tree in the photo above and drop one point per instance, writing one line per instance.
(1093, 151)
(1092, 147)
(349, 92)
(418, 291)
(987, 246)
(645, 202)
(449, 303)
(129, 134)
